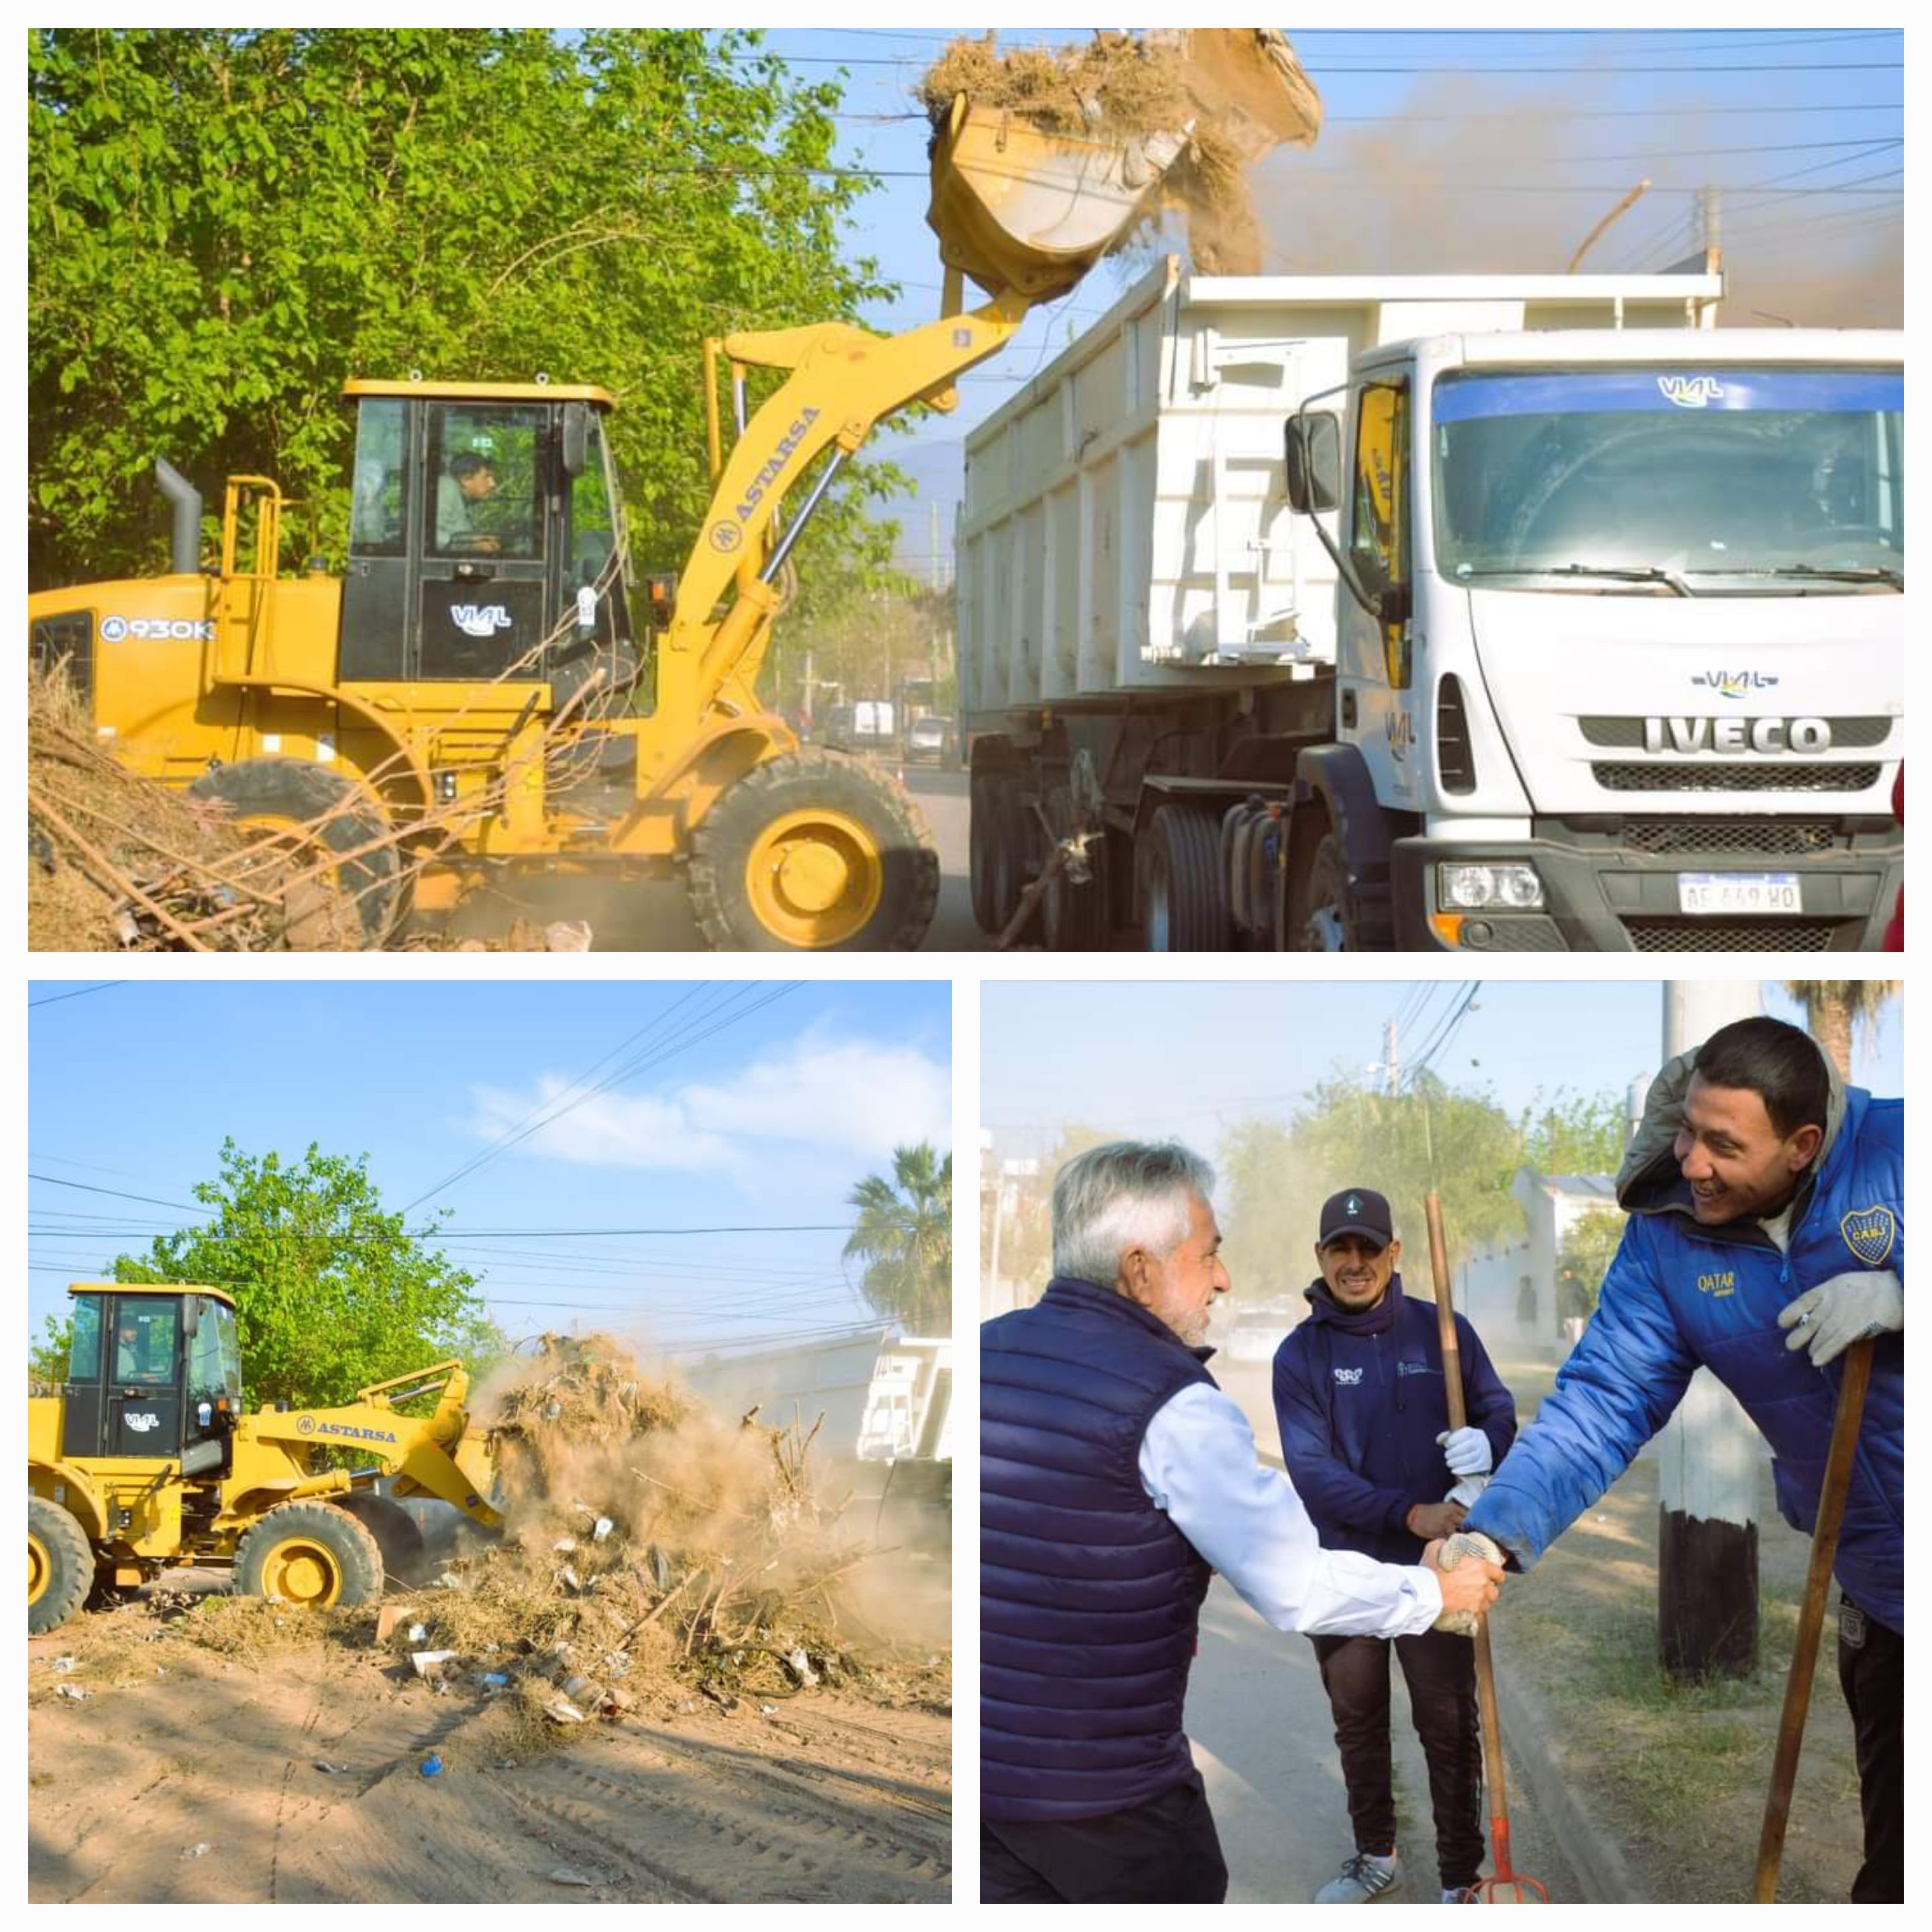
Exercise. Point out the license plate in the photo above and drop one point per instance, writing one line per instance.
(1737, 893)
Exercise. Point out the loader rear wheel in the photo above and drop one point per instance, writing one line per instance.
(812, 851)
(60, 1565)
(405, 1557)
(280, 798)
(1183, 902)
(311, 1555)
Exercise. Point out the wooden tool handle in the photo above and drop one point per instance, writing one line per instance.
(1445, 1315)
(1811, 1617)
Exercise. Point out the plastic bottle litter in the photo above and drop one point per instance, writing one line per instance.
(431, 1766)
(570, 1875)
(199, 1851)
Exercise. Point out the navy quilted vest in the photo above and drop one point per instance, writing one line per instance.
(1089, 1597)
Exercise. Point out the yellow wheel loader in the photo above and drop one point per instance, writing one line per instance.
(485, 687)
(145, 1461)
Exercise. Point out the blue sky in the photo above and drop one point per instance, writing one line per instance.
(1446, 151)
(1190, 1060)
(768, 1121)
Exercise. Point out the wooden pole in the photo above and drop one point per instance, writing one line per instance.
(1811, 1617)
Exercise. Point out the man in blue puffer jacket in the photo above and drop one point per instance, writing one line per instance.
(1767, 1233)
(1360, 1399)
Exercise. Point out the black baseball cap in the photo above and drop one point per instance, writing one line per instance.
(1357, 1210)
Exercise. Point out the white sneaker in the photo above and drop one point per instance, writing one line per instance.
(1365, 1877)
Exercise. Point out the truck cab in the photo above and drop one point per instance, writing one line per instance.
(1619, 637)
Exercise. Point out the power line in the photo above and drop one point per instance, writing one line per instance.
(80, 993)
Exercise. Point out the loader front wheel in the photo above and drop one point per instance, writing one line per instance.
(313, 1555)
(812, 851)
(60, 1565)
(358, 900)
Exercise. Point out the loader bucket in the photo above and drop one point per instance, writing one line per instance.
(1015, 208)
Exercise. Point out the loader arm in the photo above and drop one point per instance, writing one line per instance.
(844, 381)
(440, 1455)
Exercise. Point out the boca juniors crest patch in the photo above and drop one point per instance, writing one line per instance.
(1869, 1233)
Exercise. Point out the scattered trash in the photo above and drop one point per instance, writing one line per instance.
(802, 1668)
(563, 1710)
(570, 1875)
(564, 1545)
(199, 1851)
(73, 1691)
(62, 1664)
(431, 1766)
(419, 1633)
(768, 1710)
(429, 1663)
(328, 1770)
(602, 1528)
(494, 1680)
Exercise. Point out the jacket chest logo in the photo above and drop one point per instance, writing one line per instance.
(1869, 1233)
(1725, 1283)
(1348, 1378)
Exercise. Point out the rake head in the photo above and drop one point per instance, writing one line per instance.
(1510, 1889)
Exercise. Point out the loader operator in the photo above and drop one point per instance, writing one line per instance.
(1115, 1478)
(1767, 1234)
(472, 480)
(1360, 1399)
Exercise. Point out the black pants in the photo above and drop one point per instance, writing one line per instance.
(1165, 1851)
(1440, 1669)
(1871, 1673)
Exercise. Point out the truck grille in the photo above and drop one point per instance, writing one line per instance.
(1626, 734)
(1731, 935)
(1769, 838)
(1771, 776)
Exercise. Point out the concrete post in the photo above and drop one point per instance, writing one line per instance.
(1708, 1453)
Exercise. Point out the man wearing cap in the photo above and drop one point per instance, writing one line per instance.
(1114, 1478)
(1360, 1401)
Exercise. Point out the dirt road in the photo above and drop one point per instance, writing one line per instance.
(187, 1776)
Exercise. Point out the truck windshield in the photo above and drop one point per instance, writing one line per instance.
(1689, 476)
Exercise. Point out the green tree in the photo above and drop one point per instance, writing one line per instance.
(1588, 1246)
(1024, 1204)
(224, 224)
(330, 1293)
(46, 1359)
(904, 1235)
(1574, 1133)
(1835, 1010)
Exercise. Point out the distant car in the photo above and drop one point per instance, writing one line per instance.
(929, 738)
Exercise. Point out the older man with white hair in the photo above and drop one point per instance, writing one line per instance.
(1115, 1478)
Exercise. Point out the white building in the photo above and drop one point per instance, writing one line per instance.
(1509, 1293)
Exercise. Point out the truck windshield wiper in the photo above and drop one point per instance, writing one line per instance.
(1833, 573)
(1625, 573)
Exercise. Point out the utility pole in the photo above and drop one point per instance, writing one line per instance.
(1710, 216)
(1708, 1453)
(1391, 1066)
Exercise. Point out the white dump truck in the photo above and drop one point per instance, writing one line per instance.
(1487, 613)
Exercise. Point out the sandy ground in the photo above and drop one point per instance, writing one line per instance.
(176, 1748)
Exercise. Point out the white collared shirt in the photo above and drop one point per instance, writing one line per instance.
(1197, 1463)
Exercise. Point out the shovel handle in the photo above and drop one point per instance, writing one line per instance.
(1445, 1315)
(1837, 1483)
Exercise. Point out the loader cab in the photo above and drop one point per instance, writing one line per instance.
(485, 531)
(152, 1372)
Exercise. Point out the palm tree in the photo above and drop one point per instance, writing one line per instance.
(904, 1235)
(1835, 1008)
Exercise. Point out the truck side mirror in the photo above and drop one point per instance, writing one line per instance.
(1313, 462)
(576, 437)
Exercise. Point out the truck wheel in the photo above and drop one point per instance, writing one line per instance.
(60, 1565)
(1183, 902)
(982, 839)
(1322, 914)
(1016, 857)
(1076, 918)
(812, 852)
(311, 1555)
(282, 796)
(405, 1557)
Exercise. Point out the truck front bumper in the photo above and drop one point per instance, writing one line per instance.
(1604, 893)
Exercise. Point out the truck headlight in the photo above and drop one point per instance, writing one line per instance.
(1467, 888)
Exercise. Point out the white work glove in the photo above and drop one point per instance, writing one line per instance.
(1466, 1491)
(1828, 1318)
(1466, 1451)
(1464, 1542)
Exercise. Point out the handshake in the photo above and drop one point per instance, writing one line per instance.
(1469, 1568)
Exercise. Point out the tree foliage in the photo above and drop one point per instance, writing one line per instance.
(1588, 1246)
(904, 1235)
(1836, 1009)
(1574, 1133)
(224, 225)
(46, 1359)
(330, 1293)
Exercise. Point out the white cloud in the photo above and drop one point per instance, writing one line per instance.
(827, 1093)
